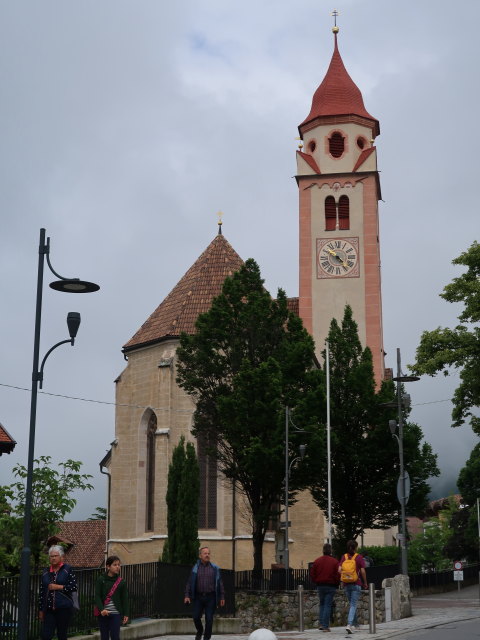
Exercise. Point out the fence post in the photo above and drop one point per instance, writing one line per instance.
(301, 622)
(372, 628)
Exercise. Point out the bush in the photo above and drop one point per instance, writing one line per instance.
(382, 555)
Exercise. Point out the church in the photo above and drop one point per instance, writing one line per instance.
(339, 263)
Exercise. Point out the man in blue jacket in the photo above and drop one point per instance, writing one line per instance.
(205, 589)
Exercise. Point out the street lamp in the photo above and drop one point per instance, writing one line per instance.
(403, 489)
(68, 285)
(288, 467)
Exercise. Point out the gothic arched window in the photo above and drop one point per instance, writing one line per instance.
(344, 213)
(150, 473)
(207, 507)
(330, 214)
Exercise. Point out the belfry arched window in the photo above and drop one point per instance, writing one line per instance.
(330, 214)
(150, 473)
(207, 462)
(344, 213)
(336, 144)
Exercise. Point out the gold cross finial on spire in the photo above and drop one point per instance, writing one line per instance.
(335, 13)
(300, 144)
(220, 216)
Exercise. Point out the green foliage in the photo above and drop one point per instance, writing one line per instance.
(100, 513)
(469, 478)
(441, 349)
(182, 505)
(247, 360)
(52, 500)
(440, 542)
(466, 529)
(365, 459)
(382, 555)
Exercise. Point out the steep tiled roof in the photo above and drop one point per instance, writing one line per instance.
(338, 95)
(191, 296)
(7, 443)
(84, 541)
(292, 304)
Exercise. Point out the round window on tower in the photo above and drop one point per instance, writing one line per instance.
(336, 144)
(312, 145)
(361, 142)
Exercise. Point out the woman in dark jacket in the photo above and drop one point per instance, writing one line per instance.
(55, 603)
(114, 610)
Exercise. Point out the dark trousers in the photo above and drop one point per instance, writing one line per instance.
(204, 604)
(110, 626)
(56, 620)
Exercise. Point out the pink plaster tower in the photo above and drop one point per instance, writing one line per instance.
(339, 189)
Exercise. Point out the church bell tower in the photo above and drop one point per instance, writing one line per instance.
(339, 189)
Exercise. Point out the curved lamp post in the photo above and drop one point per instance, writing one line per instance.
(402, 481)
(68, 285)
(288, 467)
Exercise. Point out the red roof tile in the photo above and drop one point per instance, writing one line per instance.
(7, 443)
(85, 542)
(338, 94)
(310, 161)
(191, 296)
(292, 304)
(362, 157)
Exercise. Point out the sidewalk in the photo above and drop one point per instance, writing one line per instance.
(428, 612)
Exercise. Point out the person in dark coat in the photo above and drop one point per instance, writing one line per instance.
(205, 589)
(55, 603)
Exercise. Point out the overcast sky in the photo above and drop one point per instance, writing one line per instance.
(127, 125)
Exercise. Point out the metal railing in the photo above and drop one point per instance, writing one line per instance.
(156, 590)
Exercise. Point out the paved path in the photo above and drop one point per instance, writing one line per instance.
(428, 612)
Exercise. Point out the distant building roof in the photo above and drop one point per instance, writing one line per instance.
(7, 443)
(84, 542)
(192, 295)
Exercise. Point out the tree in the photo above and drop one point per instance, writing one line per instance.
(441, 348)
(469, 486)
(182, 496)
(52, 500)
(364, 458)
(100, 513)
(247, 360)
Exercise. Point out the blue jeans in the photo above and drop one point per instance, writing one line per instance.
(204, 604)
(110, 626)
(325, 597)
(352, 591)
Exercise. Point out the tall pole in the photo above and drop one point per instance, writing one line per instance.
(329, 459)
(24, 586)
(403, 542)
(286, 550)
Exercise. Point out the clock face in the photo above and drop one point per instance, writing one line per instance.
(337, 258)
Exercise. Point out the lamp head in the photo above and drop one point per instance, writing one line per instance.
(392, 425)
(73, 322)
(302, 448)
(74, 285)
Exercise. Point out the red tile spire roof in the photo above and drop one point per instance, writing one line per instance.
(338, 95)
(191, 296)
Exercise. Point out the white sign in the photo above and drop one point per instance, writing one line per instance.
(458, 575)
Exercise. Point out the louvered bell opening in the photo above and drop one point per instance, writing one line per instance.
(336, 144)
(344, 213)
(330, 213)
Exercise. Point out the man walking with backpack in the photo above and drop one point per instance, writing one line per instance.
(353, 577)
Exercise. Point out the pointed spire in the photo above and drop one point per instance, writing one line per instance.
(338, 95)
(192, 295)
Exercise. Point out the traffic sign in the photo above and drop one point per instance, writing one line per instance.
(458, 576)
(458, 565)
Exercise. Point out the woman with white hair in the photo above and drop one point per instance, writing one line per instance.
(55, 603)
